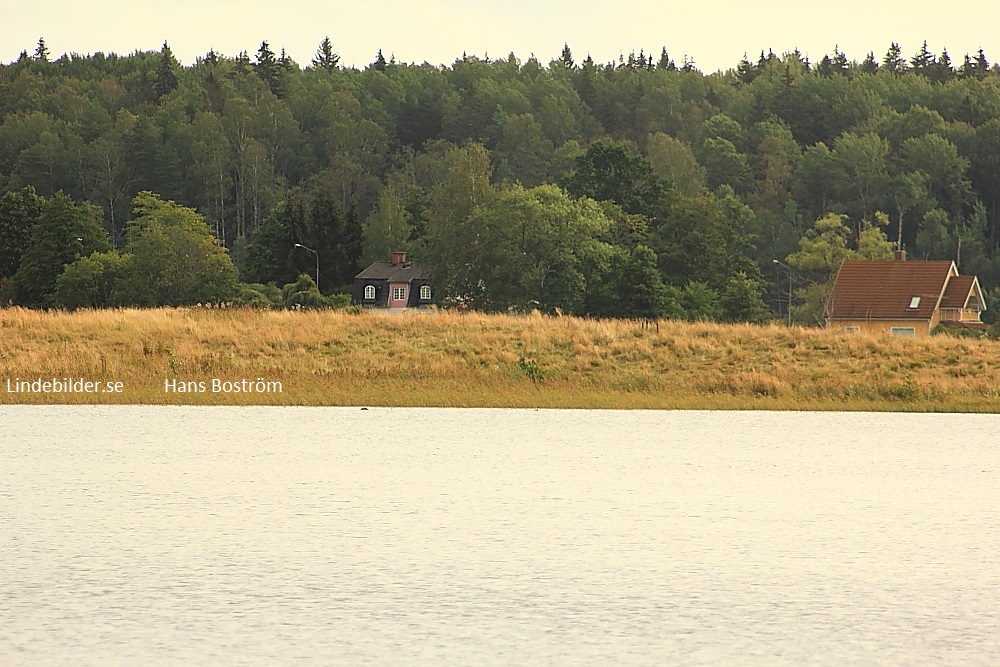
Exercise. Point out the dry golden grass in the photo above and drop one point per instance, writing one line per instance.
(470, 359)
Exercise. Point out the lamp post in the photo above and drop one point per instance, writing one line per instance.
(299, 245)
(789, 269)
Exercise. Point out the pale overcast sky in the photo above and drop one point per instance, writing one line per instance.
(715, 33)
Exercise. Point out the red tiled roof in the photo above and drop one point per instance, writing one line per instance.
(871, 289)
(958, 292)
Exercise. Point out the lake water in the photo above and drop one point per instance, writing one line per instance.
(340, 536)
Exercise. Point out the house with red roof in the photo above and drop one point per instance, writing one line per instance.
(903, 298)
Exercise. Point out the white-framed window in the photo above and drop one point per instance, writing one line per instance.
(852, 328)
(915, 302)
(904, 331)
(398, 293)
(425, 292)
(369, 292)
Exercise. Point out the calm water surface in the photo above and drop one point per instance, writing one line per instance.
(337, 536)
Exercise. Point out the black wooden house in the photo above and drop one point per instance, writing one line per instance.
(395, 284)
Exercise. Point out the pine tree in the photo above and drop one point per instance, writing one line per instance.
(982, 65)
(325, 57)
(745, 71)
(380, 65)
(923, 61)
(944, 60)
(42, 51)
(285, 62)
(825, 67)
(839, 63)
(870, 65)
(242, 65)
(166, 79)
(942, 70)
(893, 61)
(668, 64)
(566, 58)
(267, 66)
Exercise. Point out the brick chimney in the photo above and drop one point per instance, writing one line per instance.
(397, 258)
(900, 255)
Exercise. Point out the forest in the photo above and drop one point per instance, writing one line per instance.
(641, 188)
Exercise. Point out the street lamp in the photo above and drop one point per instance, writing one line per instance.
(789, 269)
(299, 245)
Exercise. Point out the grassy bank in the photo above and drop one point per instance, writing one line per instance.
(450, 359)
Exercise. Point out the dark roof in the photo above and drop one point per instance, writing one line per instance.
(958, 292)
(884, 290)
(395, 273)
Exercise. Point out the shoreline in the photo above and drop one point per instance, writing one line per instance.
(474, 360)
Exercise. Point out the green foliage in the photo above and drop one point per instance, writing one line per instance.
(100, 280)
(259, 295)
(303, 294)
(387, 229)
(527, 249)
(64, 232)
(166, 78)
(530, 369)
(704, 239)
(613, 172)
(954, 332)
(325, 58)
(724, 165)
(19, 211)
(701, 303)
(272, 155)
(824, 248)
(675, 163)
(175, 259)
(740, 301)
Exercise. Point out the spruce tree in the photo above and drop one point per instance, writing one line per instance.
(325, 57)
(893, 61)
(267, 66)
(166, 79)
(870, 65)
(825, 67)
(745, 71)
(982, 65)
(943, 69)
(566, 58)
(285, 62)
(380, 65)
(668, 64)
(923, 61)
(242, 65)
(42, 51)
(839, 62)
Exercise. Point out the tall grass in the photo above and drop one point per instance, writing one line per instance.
(471, 359)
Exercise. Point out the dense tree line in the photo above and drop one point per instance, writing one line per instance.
(641, 187)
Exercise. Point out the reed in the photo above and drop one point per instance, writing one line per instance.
(478, 360)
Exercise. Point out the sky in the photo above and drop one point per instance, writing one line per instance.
(715, 34)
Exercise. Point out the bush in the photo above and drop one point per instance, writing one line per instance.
(303, 294)
(258, 295)
(961, 333)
